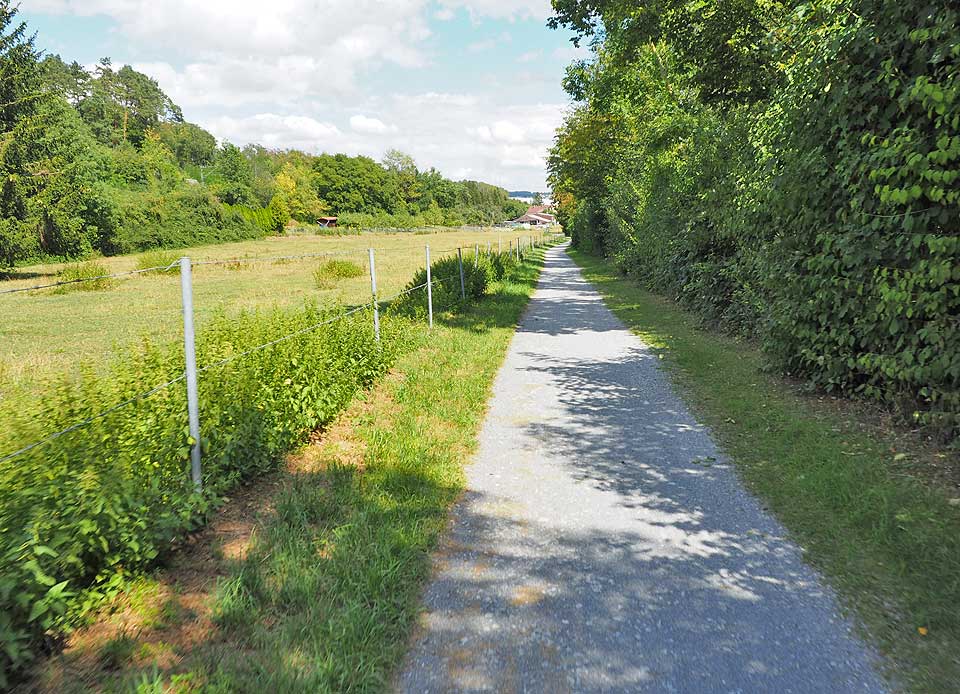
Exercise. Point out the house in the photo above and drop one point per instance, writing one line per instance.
(327, 221)
(536, 216)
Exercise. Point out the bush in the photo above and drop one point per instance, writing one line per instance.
(159, 259)
(106, 499)
(85, 277)
(181, 219)
(330, 271)
(445, 276)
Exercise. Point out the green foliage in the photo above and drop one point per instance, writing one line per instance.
(233, 181)
(192, 145)
(804, 194)
(267, 219)
(478, 274)
(185, 217)
(159, 259)
(84, 277)
(329, 271)
(106, 499)
(89, 509)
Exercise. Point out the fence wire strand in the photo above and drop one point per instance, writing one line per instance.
(158, 268)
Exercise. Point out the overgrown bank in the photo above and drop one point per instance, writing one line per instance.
(788, 170)
(327, 592)
(850, 493)
(83, 512)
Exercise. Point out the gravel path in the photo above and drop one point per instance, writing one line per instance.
(604, 543)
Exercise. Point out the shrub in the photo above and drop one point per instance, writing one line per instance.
(106, 499)
(445, 276)
(330, 271)
(102, 502)
(85, 277)
(159, 259)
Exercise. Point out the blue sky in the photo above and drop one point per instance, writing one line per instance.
(469, 86)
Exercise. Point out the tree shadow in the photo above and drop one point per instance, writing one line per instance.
(608, 545)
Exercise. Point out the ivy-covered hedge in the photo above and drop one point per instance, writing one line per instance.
(809, 198)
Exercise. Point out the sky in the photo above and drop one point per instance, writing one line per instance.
(471, 87)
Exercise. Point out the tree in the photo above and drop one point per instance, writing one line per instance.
(191, 144)
(295, 189)
(234, 176)
(538, 198)
(404, 168)
(123, 105)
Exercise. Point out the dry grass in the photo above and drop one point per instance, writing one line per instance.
(47, 333)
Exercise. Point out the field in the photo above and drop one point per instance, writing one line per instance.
(46, 332)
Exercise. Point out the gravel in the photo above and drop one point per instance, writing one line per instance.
(606, 544)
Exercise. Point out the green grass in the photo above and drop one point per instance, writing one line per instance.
(841, 483)
(327, 595)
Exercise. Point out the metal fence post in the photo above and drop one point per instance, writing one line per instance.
(190, 359)
(476, 256)
(518, 250)
(376, 305)
(429, 289)
(463, 290)
(499, 245)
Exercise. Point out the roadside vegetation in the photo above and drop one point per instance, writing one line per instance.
(787, 170)
(101, 161)
(319, 591)
(876, 507)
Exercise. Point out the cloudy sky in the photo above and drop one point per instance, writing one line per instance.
(471, 87)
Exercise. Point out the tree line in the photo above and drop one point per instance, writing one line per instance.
(787, 169)
(102, 161)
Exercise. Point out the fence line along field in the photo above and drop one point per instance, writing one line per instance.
(54, 331)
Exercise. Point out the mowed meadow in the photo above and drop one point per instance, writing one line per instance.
(51, 332)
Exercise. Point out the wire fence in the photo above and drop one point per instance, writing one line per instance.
(191, 373)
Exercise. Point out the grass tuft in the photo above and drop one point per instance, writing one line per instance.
(329, 271)
(159, 259)
(85, 277)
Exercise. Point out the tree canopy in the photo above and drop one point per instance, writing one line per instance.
(787, 169)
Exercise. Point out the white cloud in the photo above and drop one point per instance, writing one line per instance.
(530, 56)
(293, 76)
(276, 131)
(370, 126)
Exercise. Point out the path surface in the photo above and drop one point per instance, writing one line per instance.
(605, 545)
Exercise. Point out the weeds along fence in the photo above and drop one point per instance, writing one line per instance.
(103, 472)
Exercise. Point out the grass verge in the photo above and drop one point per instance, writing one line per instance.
(845, 486)
(321, 594)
